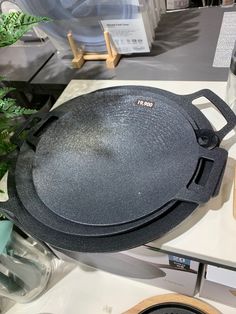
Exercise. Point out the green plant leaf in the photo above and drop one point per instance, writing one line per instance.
(11, 110)
(6, 147)
(13, 26)
(5, 106)
(5, 124)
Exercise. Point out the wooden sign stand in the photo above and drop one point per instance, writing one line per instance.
(112, 57)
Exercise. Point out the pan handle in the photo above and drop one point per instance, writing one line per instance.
(35, 126)
(206, 181)
(224, 109)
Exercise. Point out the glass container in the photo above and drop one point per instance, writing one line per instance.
(25, 268)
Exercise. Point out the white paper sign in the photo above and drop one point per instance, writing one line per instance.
(226, 41)
(128, 35)
(177, 4)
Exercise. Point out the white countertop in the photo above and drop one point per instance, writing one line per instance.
(86, 290)
(208, 234)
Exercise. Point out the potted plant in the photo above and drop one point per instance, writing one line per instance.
(25, 279)
(12, 27)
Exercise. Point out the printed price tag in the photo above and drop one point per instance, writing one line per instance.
(179, 262)
(128, 36)
(226, 41)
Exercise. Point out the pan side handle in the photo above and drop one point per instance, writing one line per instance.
(200, 191)
(223, 108)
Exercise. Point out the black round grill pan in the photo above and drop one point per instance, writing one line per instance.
(125, 200)
(115, 159)
(37, 208)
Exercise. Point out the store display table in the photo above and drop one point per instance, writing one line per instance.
(209, 234)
